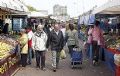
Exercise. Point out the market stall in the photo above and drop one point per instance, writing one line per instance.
(37, 17)
(8, 47)
(8, 55)
(109, 17)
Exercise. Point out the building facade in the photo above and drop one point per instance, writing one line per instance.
(59, 10)
(60, 13)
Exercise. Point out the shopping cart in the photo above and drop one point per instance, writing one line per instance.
(76, 59)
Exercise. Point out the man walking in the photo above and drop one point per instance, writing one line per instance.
(39, 45)
(57, 43)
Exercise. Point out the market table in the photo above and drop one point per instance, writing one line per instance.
(109, 60)
(9, 64)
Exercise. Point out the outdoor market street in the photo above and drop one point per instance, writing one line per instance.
(65, 69)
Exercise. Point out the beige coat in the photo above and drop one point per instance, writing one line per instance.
(24, 44)
(72, 37)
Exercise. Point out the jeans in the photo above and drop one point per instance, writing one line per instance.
(40, 58)
(29, 55)
(89, 51)
(55, 58)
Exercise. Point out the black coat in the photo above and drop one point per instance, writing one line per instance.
(56, 41)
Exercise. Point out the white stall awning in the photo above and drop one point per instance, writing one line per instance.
(111, 7)
(37, 14)
(13, 6)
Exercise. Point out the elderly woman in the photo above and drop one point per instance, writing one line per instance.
(23, 40)
(39, 42)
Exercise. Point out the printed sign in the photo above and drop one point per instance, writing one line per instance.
(8, 65)
(17, 24)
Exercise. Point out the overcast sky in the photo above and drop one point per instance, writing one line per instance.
(75, 7)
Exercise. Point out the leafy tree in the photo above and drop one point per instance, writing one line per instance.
(30, 8)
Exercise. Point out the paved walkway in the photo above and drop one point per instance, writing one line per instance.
(65, 69)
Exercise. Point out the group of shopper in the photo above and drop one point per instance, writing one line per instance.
(55, 40)
(39, 42)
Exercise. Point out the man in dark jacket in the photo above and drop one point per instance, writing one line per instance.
(57, 43)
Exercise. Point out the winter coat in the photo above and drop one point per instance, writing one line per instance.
(39, 41)
(56, 41)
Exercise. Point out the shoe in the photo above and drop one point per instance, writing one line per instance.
(22, 68)
(44, 69)
(94, 62)
(37, 67)
(54, 69)
(28, 63)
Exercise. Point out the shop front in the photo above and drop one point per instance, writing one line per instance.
(10, 13)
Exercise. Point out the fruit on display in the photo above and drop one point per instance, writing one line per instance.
(112, 42)
(7, 44)
(83, 28)
(117, 59)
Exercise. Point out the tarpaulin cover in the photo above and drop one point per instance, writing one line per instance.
(91, 19)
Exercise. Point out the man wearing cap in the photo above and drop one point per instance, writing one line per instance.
(39, 41)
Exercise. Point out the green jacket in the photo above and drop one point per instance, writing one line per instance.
(72, 37)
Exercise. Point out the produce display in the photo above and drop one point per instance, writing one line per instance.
(112, 41)
(7, 44)
(83, 28)
(117, 59)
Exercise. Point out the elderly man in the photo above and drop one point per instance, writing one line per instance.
(39, 41)
(57, 43)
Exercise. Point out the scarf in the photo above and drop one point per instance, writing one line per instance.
(38, 34)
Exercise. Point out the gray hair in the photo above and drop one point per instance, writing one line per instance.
(40, 26)
(22, 30)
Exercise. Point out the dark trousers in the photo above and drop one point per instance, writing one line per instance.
(102, 54)
(88, 50)
(40, 58)
(70, 47)
(95, 51)
(23, 60)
